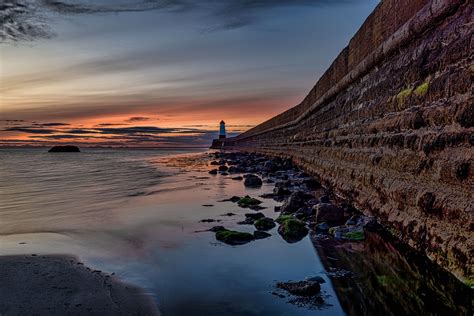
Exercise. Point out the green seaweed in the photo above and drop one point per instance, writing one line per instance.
(355, 235)
(293, 228)
(247, 201)
(233, 237)
(469, 283)
(264, 223)
(283, 218)
(403, 95)
(422, 89)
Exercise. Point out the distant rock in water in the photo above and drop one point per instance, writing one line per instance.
(64, 149)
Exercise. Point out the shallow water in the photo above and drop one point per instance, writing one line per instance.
(137, 214)
(127, 212)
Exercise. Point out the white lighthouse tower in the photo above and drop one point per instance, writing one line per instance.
(222, 130)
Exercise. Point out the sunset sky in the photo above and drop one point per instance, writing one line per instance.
(160, 72)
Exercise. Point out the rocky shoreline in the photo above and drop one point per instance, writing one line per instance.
(332, 223)
(306, 204)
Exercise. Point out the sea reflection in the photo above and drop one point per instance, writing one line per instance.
(381, 276)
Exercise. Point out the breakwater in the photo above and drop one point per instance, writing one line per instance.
(390, 126)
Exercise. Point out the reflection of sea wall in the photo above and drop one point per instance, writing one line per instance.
(391, 280)
(390, 126)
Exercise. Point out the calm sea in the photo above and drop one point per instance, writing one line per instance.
(138, 214)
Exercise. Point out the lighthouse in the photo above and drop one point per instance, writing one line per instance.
(222, 130)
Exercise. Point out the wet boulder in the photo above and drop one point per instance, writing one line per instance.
(280, 191)
(234, 169)
(248, 201)
(232, 237)
(213, 171)
(292, 230)
(264, 223)
(328, 213)
(223, 168)
(296, 200)
(269, 166)
(252, 180)
(254, 216)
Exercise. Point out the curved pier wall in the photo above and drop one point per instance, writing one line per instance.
(390, 126)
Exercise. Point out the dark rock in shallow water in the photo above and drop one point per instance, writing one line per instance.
(258, 234)
(295, 202)
(239, 178)
(223, 168)
(328, 213)
(269, 166)
(213, 171)
(228, 214)
(216, 229)
(64, 149)
(252, 180)
(264, 223)
(234, 169)
(254, 216)
(256, 207)
(292, 230)
(248, 201)
(232, 199)
(232, 237)
(281, 191)
(300, 288)
(214, 163)
(209, 220)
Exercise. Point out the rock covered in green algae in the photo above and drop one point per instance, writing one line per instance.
(264, 223)
(248, 201)
(292, 229)
(232, 237)
(353, 233)
(283, 218)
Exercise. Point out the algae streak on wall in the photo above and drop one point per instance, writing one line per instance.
(390, 126)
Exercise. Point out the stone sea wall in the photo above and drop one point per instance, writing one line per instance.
(390, 126)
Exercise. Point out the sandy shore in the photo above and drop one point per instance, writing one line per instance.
(61, 285)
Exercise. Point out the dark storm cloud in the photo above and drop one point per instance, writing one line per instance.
(50, 124)
(62, 136)
(30, 130)
(30, 19)
(108, 124)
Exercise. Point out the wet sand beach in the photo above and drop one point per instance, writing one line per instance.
(61, 285)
